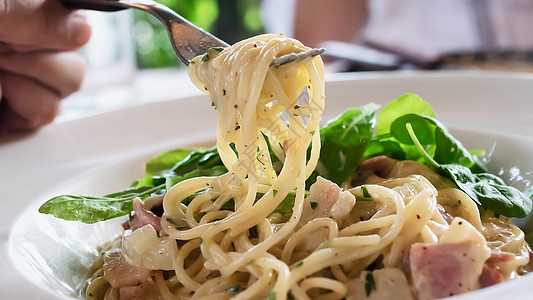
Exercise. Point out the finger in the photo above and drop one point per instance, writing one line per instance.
(10, 121)
(42, 23)
(60, 71)
(30, 104)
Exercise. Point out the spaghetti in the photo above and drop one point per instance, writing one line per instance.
(350, 242)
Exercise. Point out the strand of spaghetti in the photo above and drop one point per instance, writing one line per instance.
(339, 274)
(339, 290)
(181, 274)
(281, 287)
(302, 233)
(332, 256)
(162, 287)
(257, 288)
(298, 293)
(274, 238)
(428, 236)
(382, 222)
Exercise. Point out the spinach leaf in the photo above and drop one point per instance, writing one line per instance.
(213, 171)
(388, 148)
(343, 143)
(489, 191)
(406, 104)
(285, 207)
(90, 209)
(429, 131)
(485, 189)
(162, 168)
(165, 161)
(162, 173)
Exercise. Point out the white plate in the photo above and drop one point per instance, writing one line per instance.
(105, 152)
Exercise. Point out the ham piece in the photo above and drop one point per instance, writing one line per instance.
(443, 270)
(132, 281)
(492, 274)
(451, 267)
(326, 200)
(142, 217)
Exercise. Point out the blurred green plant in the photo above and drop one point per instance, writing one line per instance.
(230, 20)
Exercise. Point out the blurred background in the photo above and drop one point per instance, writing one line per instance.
(130, 58)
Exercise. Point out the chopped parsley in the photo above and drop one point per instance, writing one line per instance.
(313, 204)
(366, 194)
(370, 283)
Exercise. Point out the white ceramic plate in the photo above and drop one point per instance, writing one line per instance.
(41, 258)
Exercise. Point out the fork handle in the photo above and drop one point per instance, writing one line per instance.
(100, 5)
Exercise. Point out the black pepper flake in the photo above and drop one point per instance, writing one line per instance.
(238, 127)
(205, 88)
(460, 223)
(223, 92)
(255, 45)
(418, 216)
(236, 106)
(424, 248)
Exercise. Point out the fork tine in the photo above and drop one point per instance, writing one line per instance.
(296, 56)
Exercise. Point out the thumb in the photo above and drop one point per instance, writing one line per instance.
(42, 24)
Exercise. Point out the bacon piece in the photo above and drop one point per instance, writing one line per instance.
(379, 165)
(499, 257)
(121, 274)
(142, 217)
(137, 291)
(445, 215)
(442, 270)
(492, 274)
(373, 170)
(326, 199)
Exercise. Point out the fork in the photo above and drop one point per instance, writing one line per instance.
(187, 39)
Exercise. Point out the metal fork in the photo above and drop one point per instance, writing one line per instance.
(187, 39)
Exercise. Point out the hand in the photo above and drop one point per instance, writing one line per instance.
(38, 65)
